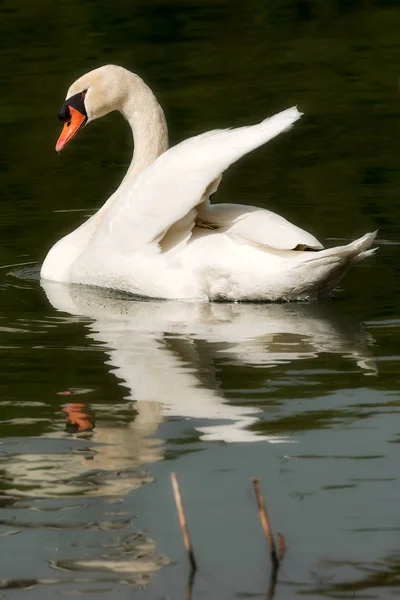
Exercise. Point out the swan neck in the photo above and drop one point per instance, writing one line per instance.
(149, 128)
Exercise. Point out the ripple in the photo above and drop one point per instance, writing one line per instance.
(134, 555)
(115, 525)
(31, 273)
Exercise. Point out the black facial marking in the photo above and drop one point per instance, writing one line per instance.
(77, 101)
(64, 114)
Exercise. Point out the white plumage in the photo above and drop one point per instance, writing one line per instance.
(159, 236)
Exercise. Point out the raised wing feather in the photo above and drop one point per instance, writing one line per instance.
(176, 183)
(256, 226)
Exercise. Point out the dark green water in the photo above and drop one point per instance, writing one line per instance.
(102, 398)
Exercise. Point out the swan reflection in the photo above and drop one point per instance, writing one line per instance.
(164, 352)
(166, 356)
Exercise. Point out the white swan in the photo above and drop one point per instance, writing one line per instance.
(159, 236)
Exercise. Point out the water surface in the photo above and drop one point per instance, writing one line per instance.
(103, 397)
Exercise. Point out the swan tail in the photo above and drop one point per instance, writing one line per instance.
(358, 246)
(361, 248)
(326, 268)
(356, 250)
(363, 255)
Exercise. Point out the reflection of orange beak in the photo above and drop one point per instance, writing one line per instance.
(71, 127)
(76, 416)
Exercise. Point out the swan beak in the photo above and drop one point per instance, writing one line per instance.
(71, 127)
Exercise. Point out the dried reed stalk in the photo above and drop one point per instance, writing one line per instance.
(182, 521)
(266, 525)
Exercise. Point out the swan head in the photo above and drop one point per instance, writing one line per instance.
(90, 97)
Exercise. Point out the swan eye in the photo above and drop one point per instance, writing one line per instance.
(64, 114)
(77, 102)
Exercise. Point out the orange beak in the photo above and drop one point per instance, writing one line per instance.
(71, 127)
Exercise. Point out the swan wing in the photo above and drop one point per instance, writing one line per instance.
(166, 193)
(256, 226)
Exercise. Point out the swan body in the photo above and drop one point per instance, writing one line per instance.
(159, 235)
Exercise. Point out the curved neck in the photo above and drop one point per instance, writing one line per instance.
(147, 120)
(141, 109)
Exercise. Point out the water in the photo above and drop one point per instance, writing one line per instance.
(102, 398)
